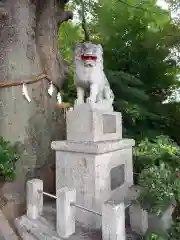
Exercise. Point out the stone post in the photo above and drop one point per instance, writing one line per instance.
(113, 221)
(65, 220)
(138, 218)
(34, 198)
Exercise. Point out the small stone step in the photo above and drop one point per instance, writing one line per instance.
(35, 229)
(6, 231)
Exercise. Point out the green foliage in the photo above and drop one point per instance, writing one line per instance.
(157, 164)
(8, 158)
(136, 48)
(69, 89)
(162, 149)
(152, 236)
(159, 184)
(171, 111)
(174, 231)
(69, 34)
(137, 56)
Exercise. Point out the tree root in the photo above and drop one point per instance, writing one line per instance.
(3, 15)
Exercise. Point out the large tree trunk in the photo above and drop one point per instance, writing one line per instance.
(29, 47)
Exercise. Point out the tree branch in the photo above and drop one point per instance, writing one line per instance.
(84, 25)
(62, 2)
(64, 16)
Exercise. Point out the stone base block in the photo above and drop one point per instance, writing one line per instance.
(96, 171)
(30, 229)
(89, 123)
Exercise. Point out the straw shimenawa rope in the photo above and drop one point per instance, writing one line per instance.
(36, 79)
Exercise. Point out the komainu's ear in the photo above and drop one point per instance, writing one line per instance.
(99, 50)
(100, 47)
(76, 45)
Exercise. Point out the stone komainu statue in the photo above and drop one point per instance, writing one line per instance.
(89, 75)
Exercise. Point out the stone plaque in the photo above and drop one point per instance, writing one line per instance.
(109, 123)
(117, 176)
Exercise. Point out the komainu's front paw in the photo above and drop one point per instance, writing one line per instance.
(100, 101)
(78, 101)
(90, 100)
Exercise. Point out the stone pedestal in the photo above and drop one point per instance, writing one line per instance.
(94, 160)
(91, 123)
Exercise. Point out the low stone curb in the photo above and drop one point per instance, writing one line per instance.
(6, 232)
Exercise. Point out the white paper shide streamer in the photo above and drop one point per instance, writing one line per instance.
(51, 89)
(59, 98)
(50, 92)
(25, 92)
(70, 109)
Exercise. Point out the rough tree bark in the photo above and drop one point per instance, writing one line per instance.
(29, 47)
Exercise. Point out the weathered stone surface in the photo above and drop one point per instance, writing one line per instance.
(113, 221)
(13, 200)
(92, 158)
(65, 222)
(86, 123)
(90, 175)
(6, 231)
(34, 198)
(92, 147)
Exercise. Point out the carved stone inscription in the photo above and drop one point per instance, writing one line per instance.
(109, 123)
(117, 176)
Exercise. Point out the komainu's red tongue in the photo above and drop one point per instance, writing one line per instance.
(84, 57)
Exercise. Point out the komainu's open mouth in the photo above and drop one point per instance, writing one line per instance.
(88, 58)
